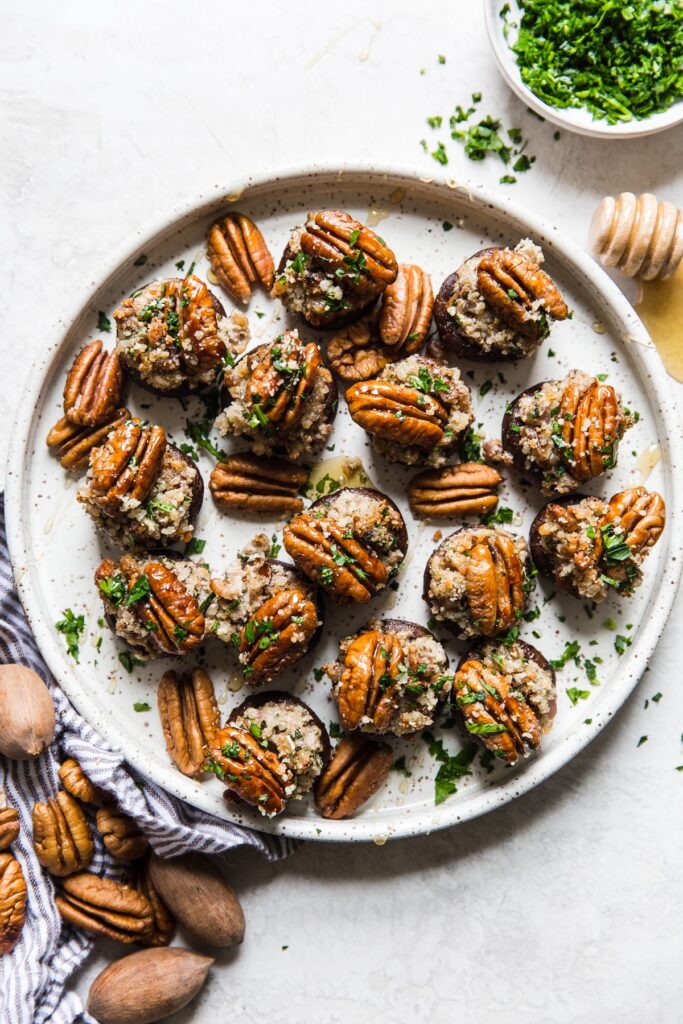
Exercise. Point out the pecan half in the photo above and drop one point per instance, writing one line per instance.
(189, 718)
(127, 465)
(120, 834)
(258, 483)
(163, 922)
(72, 445)
(277, 635)
(406, 311)
(9, 826)
(76, 782)
(638, 517)
(106, 907)
(250, 770)
(61, 835)
(356, 353)
(512, 285)
(469, 489)
(397, 413)
(343, 242)
(355, 773)
(494, 582)
(170, 613)
(93, 386)
(340, 563)
(507, 725)
(282, 379)
(12, 902)
(368, 686)
(591, 428)
(239, 255)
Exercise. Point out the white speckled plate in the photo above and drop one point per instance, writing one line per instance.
(55, 548)
(573, 119)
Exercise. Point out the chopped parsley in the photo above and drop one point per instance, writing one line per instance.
(502, 515)
(198, 433)
(275, 548)
(575, 695)
(103, 322)
(621, 643)
(195, 546)
(72, 628)
(400, 766)
(140, 261)
(570, 653)
(129, 660)
(142, 706)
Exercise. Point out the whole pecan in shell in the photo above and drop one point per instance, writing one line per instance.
(163, 921)
(406, 311)
(355, 352)
(368, 685)
(280, 394)
(189, 718)
(591, 427)
(341, 564)
(335, 238)
(358, 768)
(507, 725)
(76, 783)
(239, 255)
(72, 445)
(258, 483)
(397, 413)
(106, 907)
(639, 516)
(12, 902)
(93, 387)
(9, 826)
(494, 584)
(127, 465)
(61, 835)
(250, 770)
(511, 284)
(120, 834)
(277, 635)
(468, 489)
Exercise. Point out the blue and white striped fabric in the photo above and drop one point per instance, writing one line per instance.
(33, 977)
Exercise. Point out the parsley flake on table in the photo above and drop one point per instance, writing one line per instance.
(72, 628)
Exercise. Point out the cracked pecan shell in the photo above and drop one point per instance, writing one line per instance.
(512, 285)
(12, 902)
(120, 834)
(239, 256)
(468, 489)
(277, 635)
(127, 465)
(250, 770)
(406, 310)
(106, 907)
(356, 353)
(281, 381)
(368, 685)
(258, 483)
(356, 771)
(591, 429)
(638, 516)
(339, 563)
(61, 835)
(72, 444)
(94, 383)
(494, 584)
(495, 712)
(163, 921)
(397, 413)
(189, 718)
(77, 784)
(9, 826)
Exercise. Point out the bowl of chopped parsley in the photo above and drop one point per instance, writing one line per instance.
(599, 67)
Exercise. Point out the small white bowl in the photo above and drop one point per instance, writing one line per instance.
(574, 119)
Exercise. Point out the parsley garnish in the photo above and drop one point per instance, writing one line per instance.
(72, 628)
(575, 695)
(142, 706)
(103, 322)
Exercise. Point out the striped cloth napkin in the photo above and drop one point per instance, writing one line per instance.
(33, 978)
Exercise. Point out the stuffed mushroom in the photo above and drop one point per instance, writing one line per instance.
(332, 269)
(142, 491)
(280, 397)
(173, 336)
(416, 410)
(351, 543)
(591, 547)
(271, 751)
(566, 432)
(478, 581)
(498, 305)
(505, 694)
(391, 677)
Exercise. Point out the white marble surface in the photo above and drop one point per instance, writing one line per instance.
(565, 906)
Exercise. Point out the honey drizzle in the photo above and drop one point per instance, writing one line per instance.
(661, 309)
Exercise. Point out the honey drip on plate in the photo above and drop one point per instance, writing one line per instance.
(661, 310)
(342, 471)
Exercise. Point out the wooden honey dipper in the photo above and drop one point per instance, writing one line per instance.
(639, 235)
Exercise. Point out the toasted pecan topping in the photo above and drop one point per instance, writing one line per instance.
(368, 688)
(127, 465)
(93, 387)
(397, 413)
(637, 516)
(342, 241)
(591, 428)
(239, 255)
(277, 635)
(250, 769)
(328, 555)
(72, 445)
(281, 381)
(494, 580)
(513, 285)
(406, 311)
(496, 712)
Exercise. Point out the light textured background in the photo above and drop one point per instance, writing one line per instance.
(563, 907)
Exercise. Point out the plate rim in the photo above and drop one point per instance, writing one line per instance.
(653, 379)
(571, 117)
